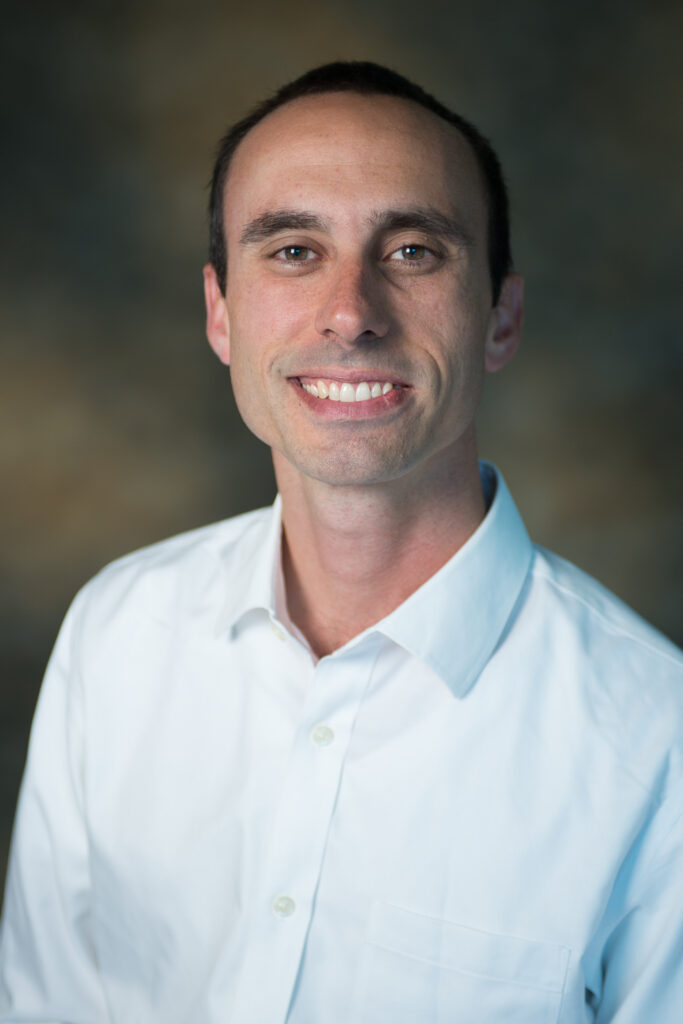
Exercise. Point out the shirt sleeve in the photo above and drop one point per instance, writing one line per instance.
(48, 967)
(642, 962)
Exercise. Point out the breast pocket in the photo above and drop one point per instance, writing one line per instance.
(422, 970)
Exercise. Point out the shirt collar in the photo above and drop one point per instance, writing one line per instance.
(452, 622)
(252, 582)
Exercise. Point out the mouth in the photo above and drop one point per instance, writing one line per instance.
(346, 391)
(350, 397)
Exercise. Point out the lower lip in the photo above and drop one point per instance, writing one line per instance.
(371, 408)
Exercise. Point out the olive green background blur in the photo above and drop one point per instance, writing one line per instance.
(117, 423)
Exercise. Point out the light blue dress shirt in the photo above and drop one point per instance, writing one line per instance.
(472, 812)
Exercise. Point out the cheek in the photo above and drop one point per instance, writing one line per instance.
(248, 394)
(252, 328)
(455, 329)
(265, 306)
(256, 340)
(455, 334)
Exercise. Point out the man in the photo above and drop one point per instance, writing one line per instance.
(367, 756)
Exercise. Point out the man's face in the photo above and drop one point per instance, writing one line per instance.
(357, 255)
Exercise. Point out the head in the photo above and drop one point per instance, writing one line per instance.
(367, 79)
(360, 258)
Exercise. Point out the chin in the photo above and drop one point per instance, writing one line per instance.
(346, 467)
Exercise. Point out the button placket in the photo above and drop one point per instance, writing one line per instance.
(306, 804)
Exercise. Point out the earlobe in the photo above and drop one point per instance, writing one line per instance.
(505, 327)
(217, 323)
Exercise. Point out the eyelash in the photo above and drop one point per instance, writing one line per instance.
(413, 245)
(279, 254)
(289, 248)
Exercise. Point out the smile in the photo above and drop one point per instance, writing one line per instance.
(346, 391)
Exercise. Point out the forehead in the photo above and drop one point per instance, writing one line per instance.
(353, 153)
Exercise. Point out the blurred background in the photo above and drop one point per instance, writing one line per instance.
(117, 425)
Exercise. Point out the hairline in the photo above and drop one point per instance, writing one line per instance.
(371, 96)
(491, 178)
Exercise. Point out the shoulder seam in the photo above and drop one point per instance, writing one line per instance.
(608, 623)
(199, 536)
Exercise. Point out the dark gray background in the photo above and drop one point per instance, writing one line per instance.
(117, 423)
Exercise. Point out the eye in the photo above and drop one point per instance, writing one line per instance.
(412, 253)
(294, 254)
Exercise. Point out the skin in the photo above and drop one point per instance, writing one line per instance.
(356, 238)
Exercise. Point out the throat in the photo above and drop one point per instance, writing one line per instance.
(352, 555)
(338, 608)
(335, 594)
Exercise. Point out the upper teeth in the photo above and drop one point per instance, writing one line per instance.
(347, 392)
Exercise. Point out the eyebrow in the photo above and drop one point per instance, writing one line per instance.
(268, 224)
(426, 219)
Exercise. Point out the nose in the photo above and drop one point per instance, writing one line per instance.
(351, 309)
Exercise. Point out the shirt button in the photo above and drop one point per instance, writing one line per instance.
(322, 735)
(278, 632)
(284, 906)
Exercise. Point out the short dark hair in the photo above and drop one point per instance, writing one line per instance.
(368, 79)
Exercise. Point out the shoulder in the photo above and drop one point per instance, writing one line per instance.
(617, 679)
(176, 577)
(603, 623)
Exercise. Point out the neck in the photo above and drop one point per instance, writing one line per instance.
(351, 555)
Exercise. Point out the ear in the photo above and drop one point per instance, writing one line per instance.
(217, 323)
(505, 326)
